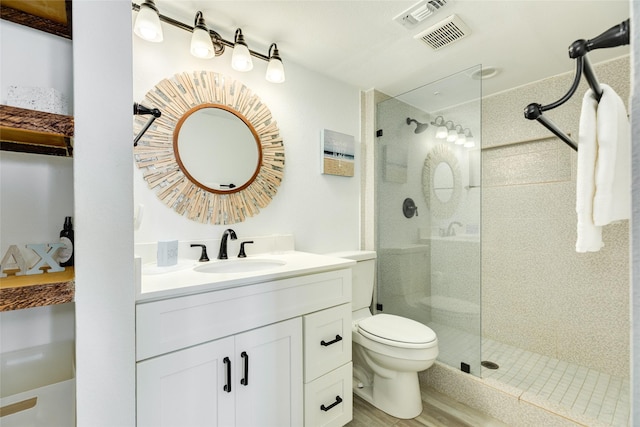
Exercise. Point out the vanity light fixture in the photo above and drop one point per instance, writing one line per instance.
(441, 131)
(147, 25)
(275, 69)
(201, 43)
(241, 59)
(453, 133)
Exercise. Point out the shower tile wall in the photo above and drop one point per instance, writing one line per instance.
(538, 294)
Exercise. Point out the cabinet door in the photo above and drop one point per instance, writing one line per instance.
(187, 388)
(269, 390)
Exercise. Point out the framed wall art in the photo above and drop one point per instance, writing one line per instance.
(338, 153)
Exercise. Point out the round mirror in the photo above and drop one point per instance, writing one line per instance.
(215, 155)
(217, 149)
(441, 181)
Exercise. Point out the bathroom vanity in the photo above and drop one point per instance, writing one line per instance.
(269, 345)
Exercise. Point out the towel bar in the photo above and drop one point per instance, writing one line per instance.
(615, 36)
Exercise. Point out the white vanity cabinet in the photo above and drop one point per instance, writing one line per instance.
(251, 379)
(239, 356)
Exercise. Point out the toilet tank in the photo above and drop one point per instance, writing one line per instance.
(363, 276)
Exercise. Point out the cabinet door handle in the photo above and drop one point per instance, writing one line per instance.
(326, 344)
(245, 379)
(337, 402)
(227, 386)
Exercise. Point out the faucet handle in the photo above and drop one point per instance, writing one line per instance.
(242, 254)
(203, 255)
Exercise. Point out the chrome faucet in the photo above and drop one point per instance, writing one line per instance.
(222, 253)
(450, 230)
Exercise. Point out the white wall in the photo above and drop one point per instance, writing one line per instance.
(321, 211)
(105, 331)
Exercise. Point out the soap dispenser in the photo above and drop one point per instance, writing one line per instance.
(65, 254)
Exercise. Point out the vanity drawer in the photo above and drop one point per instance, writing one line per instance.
(328, 401)
(327, 340)
(171, 324)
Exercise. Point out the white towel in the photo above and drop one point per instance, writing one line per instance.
(612, 200)
(604, 167)
(589, 235)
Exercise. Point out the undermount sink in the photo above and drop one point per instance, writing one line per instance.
(245, 265)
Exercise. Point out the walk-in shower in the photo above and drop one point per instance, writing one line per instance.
(486, 257)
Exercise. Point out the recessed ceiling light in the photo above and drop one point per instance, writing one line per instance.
(484, 73)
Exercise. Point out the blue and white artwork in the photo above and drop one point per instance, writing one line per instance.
(338, 153)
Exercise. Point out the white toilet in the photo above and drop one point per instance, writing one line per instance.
(388, 350)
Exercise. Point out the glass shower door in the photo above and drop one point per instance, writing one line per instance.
(428, 212)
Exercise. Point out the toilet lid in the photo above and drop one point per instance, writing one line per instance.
(398, 329)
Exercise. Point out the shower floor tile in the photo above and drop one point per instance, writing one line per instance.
(584, 392)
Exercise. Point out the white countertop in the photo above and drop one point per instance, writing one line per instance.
(168, 282)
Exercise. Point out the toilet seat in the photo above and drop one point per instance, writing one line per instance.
(397, 331)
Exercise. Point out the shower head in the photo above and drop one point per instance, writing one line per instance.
(420, 127)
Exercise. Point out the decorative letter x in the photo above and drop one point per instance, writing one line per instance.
(45, 257)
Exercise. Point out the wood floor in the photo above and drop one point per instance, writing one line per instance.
(438, 411)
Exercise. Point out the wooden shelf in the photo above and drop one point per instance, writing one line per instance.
(38, 132)
(18, 292)
(51, 16)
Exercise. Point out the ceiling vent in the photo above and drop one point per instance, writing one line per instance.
(444, 32)
(419, 12)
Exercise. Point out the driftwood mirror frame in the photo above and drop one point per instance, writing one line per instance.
(155, 155)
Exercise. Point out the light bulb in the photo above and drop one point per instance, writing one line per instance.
(241, 58)
(442, 132)
(275, 69)
(147, 25)
(201, 44)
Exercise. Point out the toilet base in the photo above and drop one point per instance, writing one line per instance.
(399, 397)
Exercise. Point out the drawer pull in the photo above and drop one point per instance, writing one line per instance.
(326, 344)
(227, 386)
(245, 379)
(337, 402)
